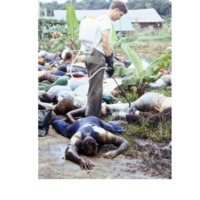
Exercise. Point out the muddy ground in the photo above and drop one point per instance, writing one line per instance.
(153, 161)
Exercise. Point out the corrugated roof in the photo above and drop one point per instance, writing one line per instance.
(145, 15)
(124, 24)
(60, 14)
(140, 15)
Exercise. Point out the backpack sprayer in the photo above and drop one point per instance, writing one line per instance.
(87, 34)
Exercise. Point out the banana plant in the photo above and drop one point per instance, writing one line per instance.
(70, 39)
(72, 25)
(138, 76)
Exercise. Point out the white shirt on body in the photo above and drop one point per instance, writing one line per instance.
(105, 23)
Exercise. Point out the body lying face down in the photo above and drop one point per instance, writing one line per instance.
(151, 106)
(88, 139)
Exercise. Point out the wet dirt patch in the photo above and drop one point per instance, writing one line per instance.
(152, 162)
(156, 157)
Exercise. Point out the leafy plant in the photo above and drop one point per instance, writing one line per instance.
(72, 24)
(46, 27)
(70, 39)
(138, 76)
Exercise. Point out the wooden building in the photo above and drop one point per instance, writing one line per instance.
(144, 18)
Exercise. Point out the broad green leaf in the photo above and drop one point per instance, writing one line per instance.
(155, 77)
(59, 44)
(130, 81)
(122, 71)
(133, 56)
(158, 64)
(149, 79)
(119, 42)
(71, 20)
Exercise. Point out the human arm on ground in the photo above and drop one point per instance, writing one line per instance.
(109, 138)
(71, 153)
(46, 105)
(75, 113)
(111, 127)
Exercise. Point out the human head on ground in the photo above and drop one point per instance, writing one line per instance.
(117, 10)
(116, 93)
(67, 57)
(67, 54)
(42, 54)
(58, 55)
(41, 61)
(89, 146)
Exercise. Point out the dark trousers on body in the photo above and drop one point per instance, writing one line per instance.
(94, 62)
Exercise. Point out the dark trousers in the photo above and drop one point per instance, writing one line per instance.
(94, 62)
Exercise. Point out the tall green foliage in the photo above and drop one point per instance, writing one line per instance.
(133, 56)
(70, 39)
(72, 22)
(138, 76)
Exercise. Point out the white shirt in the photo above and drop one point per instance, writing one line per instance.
(105, 23)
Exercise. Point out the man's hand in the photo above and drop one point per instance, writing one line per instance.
(85, 164)
(110, 154)
(109, 60)
(110, 71)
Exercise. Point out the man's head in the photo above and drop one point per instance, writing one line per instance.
(68, 56)
(117, 10)
(89, 146)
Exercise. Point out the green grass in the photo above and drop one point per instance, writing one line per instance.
(160, 133)
(167, 93)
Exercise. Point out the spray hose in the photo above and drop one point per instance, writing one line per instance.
(74, 62)
(122, 92)
(95, 74)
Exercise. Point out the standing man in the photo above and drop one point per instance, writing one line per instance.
(101, 54)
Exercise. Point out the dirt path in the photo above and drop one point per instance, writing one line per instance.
(52, 164)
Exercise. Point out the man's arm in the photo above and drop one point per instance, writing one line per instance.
(71, 153)
(105, 42)
(113, 128)
(75, 113)
(108, 53)
(122, 145)
(109, 138)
